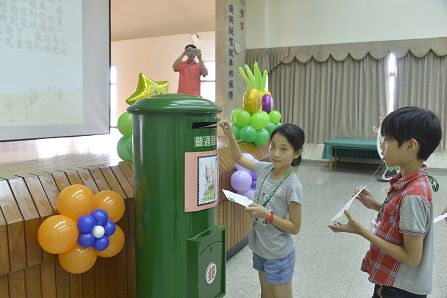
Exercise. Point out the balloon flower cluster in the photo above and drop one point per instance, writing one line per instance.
(84, 229)
(146, 88)
(256, 121)
(243, 180)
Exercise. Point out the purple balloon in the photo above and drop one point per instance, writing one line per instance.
(253, 178)
(267, 103)
(249, 193)
(241, 180)
(253, 184)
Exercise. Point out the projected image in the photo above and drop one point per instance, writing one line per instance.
(41, 63)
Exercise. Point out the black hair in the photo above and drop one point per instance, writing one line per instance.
(190, 46)
(294, 135)
(416, 123)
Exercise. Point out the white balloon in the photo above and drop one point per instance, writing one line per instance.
(98, 231)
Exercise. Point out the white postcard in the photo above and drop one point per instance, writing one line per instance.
(346, 206)
(237, 198)
(440, 217)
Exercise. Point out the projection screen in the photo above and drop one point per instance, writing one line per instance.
(54, 68)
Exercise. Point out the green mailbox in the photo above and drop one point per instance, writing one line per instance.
(180, 250)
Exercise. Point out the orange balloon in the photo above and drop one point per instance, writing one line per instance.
(116, 243)
(78, 259)
(75, 201)
(111, 202)
(57, 234)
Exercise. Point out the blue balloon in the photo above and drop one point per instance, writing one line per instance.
(101, 243)
(86, 223)
(100, 216)
(86, 239)
(109, 228)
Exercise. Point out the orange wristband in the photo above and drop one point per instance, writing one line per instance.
(270, 218)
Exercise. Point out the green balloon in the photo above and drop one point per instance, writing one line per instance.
(259, 120)
(247, 134)
(125, 124)
(275, 117)
(235, 113)
(236, 131)
(124, 148)
(243, 118)
(262, 137)
(270, 127)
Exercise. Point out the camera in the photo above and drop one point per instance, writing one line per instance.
(193, 51)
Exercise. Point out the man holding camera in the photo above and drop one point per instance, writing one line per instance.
(190, 71)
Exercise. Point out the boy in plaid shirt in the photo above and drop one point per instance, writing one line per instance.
(400, 259)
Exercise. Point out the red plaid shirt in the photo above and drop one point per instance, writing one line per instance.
(382, 268)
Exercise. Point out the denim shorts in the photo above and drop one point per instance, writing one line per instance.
(278, 271)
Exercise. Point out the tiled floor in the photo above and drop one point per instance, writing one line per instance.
(328, 264)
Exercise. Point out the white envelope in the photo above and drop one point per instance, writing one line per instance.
(440, 217)
(346, 206)
(237, 198)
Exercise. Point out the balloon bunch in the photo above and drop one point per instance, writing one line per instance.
(84, 229)
(243, 180)
(256, 121)
(124, 145)
(145, 89)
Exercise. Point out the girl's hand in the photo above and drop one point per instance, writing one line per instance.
(366, 198)
(226, 127)
(257, 211)
(351, 227)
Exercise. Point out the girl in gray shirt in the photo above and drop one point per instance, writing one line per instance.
(276, 211)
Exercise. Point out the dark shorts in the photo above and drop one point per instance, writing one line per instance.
(391, 292)
(276, 271)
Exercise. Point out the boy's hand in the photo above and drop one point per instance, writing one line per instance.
(366, 198)
(257, 211)
(443, 212)
(351, 227)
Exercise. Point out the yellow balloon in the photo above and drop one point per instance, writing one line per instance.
(147, 88)
(116, 243)
(252, 100)
(75, 201)
(57, 234)
(78, 259)
(111, 202)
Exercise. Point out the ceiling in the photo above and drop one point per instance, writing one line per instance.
(132, 19)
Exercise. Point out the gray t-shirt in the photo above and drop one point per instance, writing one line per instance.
(264, 239)
(416, 218)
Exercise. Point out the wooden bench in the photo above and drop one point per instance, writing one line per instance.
(349, 148)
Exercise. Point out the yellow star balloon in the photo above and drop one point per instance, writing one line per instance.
(147, 88)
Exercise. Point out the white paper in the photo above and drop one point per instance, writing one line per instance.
(237, 198)
(346, 206)
(440, 217)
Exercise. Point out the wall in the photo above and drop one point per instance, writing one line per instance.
(153, 57)
(280, 23)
